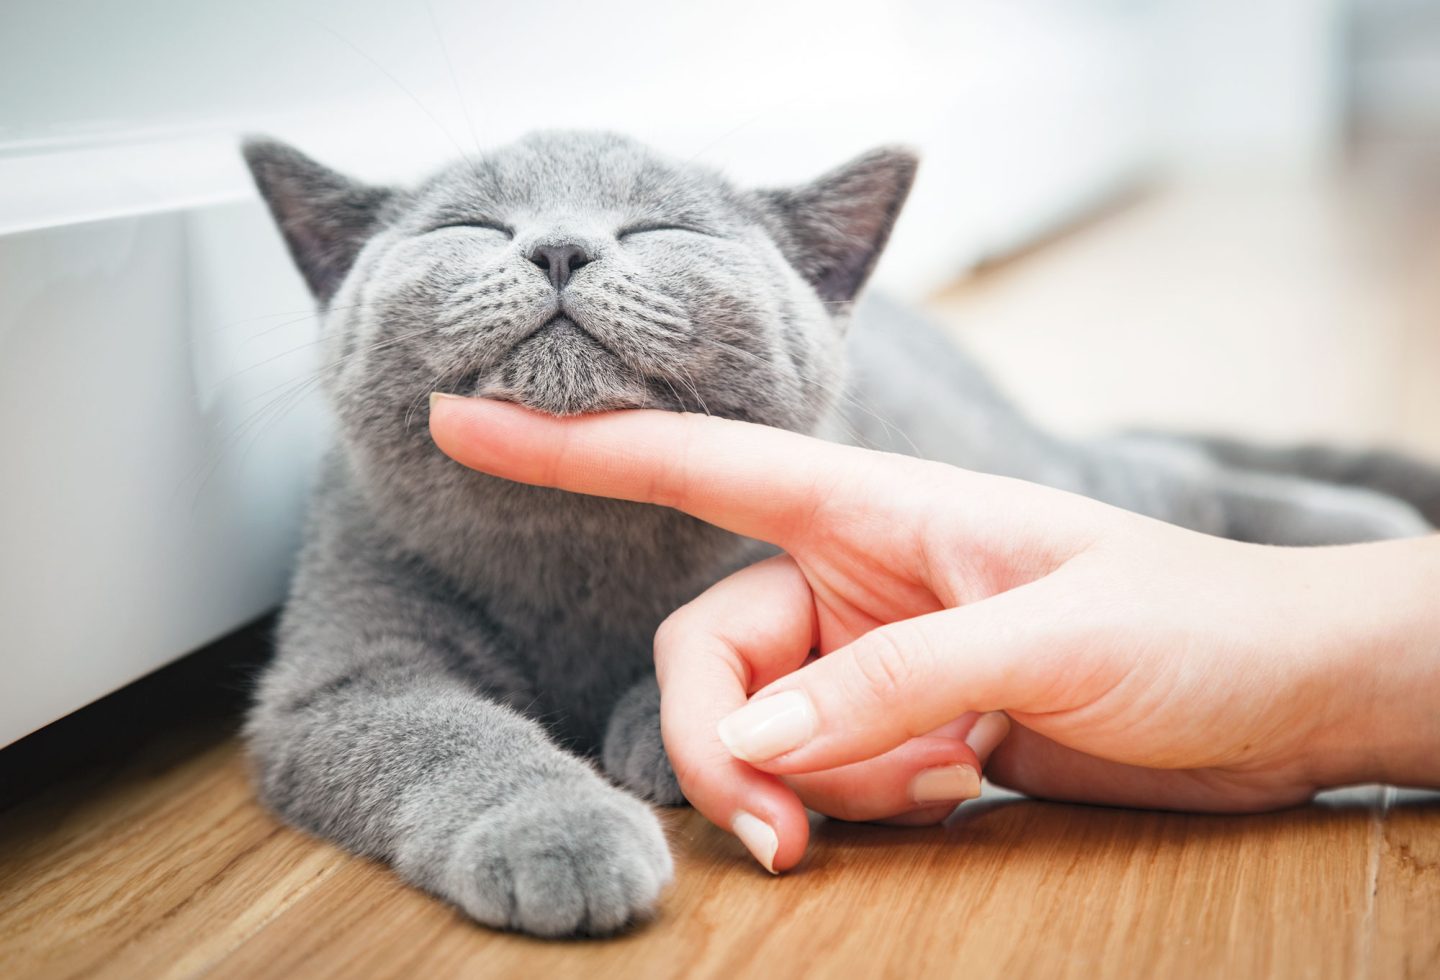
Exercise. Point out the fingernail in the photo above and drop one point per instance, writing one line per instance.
(436, 396)
(758, 837)
(768, 727)
(989, 731)
(944, 784)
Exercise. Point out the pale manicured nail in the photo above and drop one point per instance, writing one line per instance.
(435, 396)
(945, 784)
(758, 837)
(989, 731)
(768, 727)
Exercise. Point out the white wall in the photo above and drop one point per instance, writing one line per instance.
(1250, 85)
(154, 463)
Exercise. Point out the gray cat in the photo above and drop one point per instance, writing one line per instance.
(458, 652)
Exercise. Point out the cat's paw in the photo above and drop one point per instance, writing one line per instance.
(633, 755)
(564, 859)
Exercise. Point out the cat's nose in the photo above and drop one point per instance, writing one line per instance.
(559, 261)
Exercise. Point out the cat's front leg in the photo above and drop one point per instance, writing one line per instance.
(634, 754)
(386, 753)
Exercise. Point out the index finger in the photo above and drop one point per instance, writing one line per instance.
(751, 479)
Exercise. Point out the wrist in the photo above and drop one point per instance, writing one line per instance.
(1381, 665)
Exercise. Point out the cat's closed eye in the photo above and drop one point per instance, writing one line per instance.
(645, 229)
(478, 224)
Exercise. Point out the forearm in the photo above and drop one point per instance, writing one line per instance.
(1382, 668)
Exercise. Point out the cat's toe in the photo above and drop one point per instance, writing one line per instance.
(564, 861)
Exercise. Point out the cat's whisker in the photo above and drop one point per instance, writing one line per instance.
(454, 79)
(689, 382)
(287, 395)
(841, 392)
(281, 326)
(254, 423)
(679, 402)
(419, 399)
(284, 407)
(395, 81)
(205, 335)
(323, 313)
(320, 340)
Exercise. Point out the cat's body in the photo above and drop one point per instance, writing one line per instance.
(455, 645)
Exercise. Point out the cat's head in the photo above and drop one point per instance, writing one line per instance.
(576, 272)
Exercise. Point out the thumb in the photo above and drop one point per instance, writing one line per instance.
(904, 679)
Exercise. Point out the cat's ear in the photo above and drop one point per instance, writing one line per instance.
(834, 228)
(325, 216)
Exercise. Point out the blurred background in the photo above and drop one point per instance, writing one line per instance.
(1201, 214)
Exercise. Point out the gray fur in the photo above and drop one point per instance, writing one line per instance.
(1382, 471)
(633, 753)
(458, 651)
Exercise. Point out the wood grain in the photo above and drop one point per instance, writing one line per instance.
(172, 870)
(1406, 933)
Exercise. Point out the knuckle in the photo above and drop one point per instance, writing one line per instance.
(676, 629)
(670, 631)
(883, 667)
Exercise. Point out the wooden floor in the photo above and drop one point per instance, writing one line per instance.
(130, 845)
(164, 866)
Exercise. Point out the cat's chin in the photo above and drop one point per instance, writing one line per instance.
(565, 402)
(568, 385)
(562, 404)
(562, 370)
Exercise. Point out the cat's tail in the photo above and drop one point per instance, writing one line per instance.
(1385, 471)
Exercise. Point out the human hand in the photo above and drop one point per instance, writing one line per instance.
(1141, 664)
